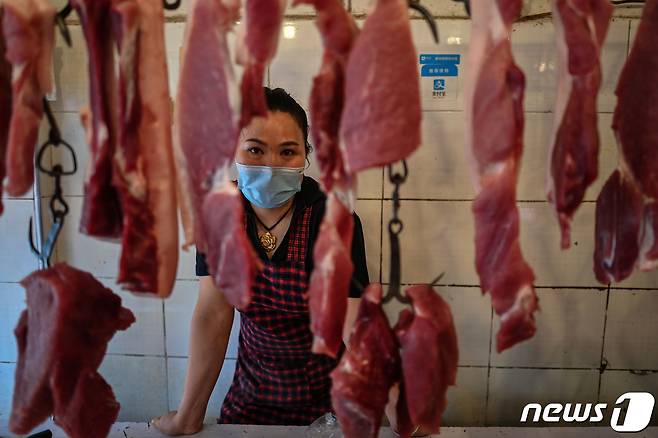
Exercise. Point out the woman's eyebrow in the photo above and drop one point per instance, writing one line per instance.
(256, 140)
(289, 143)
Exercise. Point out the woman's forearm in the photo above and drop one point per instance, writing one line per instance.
(208, 341)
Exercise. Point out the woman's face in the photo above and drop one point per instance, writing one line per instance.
(275, 141)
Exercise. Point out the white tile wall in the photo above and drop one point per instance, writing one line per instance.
(615, 383)
(146, 335)
(16, 259)
(630, 329)
(12, 297)
(7, 384)
(511, 389)
(139, 384)
(569, 327)
(147, 363)
(467, 400)
(177, 368)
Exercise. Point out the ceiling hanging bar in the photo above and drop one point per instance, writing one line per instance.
(427, 16)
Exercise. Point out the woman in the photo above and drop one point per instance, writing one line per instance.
(277, 379)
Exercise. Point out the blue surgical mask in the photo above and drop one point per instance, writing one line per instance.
(269, 187)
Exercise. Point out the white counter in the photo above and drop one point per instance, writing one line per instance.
(142, 430)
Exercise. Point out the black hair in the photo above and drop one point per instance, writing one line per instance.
(279, 99)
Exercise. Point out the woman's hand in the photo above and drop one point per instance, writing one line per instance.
(173, 424)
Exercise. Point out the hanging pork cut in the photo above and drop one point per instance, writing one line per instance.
(257, 44)
(626, 208)
(429, 353)
(649, 239)
(367, 370)
(381, 121)
(207, 135)
(143, 163)
(29, 33)
(5, 107)
(494, 140)
(101, 208)
(62, 337)
(580, 28)
(618, 221)
(330, 279)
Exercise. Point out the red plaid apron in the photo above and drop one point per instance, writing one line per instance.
(277, 378)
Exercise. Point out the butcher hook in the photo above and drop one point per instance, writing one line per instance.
(427, 15)
(467, 5)
(395, 227)
(58, 206)
(60, 22)
(171, 6)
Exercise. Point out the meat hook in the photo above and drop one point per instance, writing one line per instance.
(427, 15)
(58, 206)
(60, 22)
(171, 6)
(395, 227)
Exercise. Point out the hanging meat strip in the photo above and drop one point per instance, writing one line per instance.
(143, 159)
(5, 107)
(580, 28)
(381, 120)
(625, 227)
(29, 36)
(258, 40)
(62, 338)
(429, 354)
(330, 279)
(101, 209)
(207, 131)
(618, 221)
(494, 139)
(649, 241)
(367, 370)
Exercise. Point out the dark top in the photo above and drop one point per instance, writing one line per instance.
(309, 195)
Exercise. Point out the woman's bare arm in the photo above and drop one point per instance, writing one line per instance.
(210, 330)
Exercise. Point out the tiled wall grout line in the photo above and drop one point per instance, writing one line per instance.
(164, 341)
(602, 369)
(486, 399)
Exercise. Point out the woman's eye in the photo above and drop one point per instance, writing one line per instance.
(288, 152)
(254, 150)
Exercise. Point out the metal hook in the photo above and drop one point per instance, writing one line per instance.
(427, 15)
(171, 6)
(437, 279)
(47, 250)
(60, 21)
(467, 5)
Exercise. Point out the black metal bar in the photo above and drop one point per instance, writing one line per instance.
(171, 6)
(427, 15)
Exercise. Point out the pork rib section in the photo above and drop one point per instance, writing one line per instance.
(429, 353)
(29, 36)
(62, 338)
(367, 370)
(330, 280)
(101, 210)
(494, 138)
(207, 131)
(5, 106)
(143, 159)
(381, 121)
(580, 29)
(258, 38)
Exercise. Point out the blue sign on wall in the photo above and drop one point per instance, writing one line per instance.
(439, 65)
